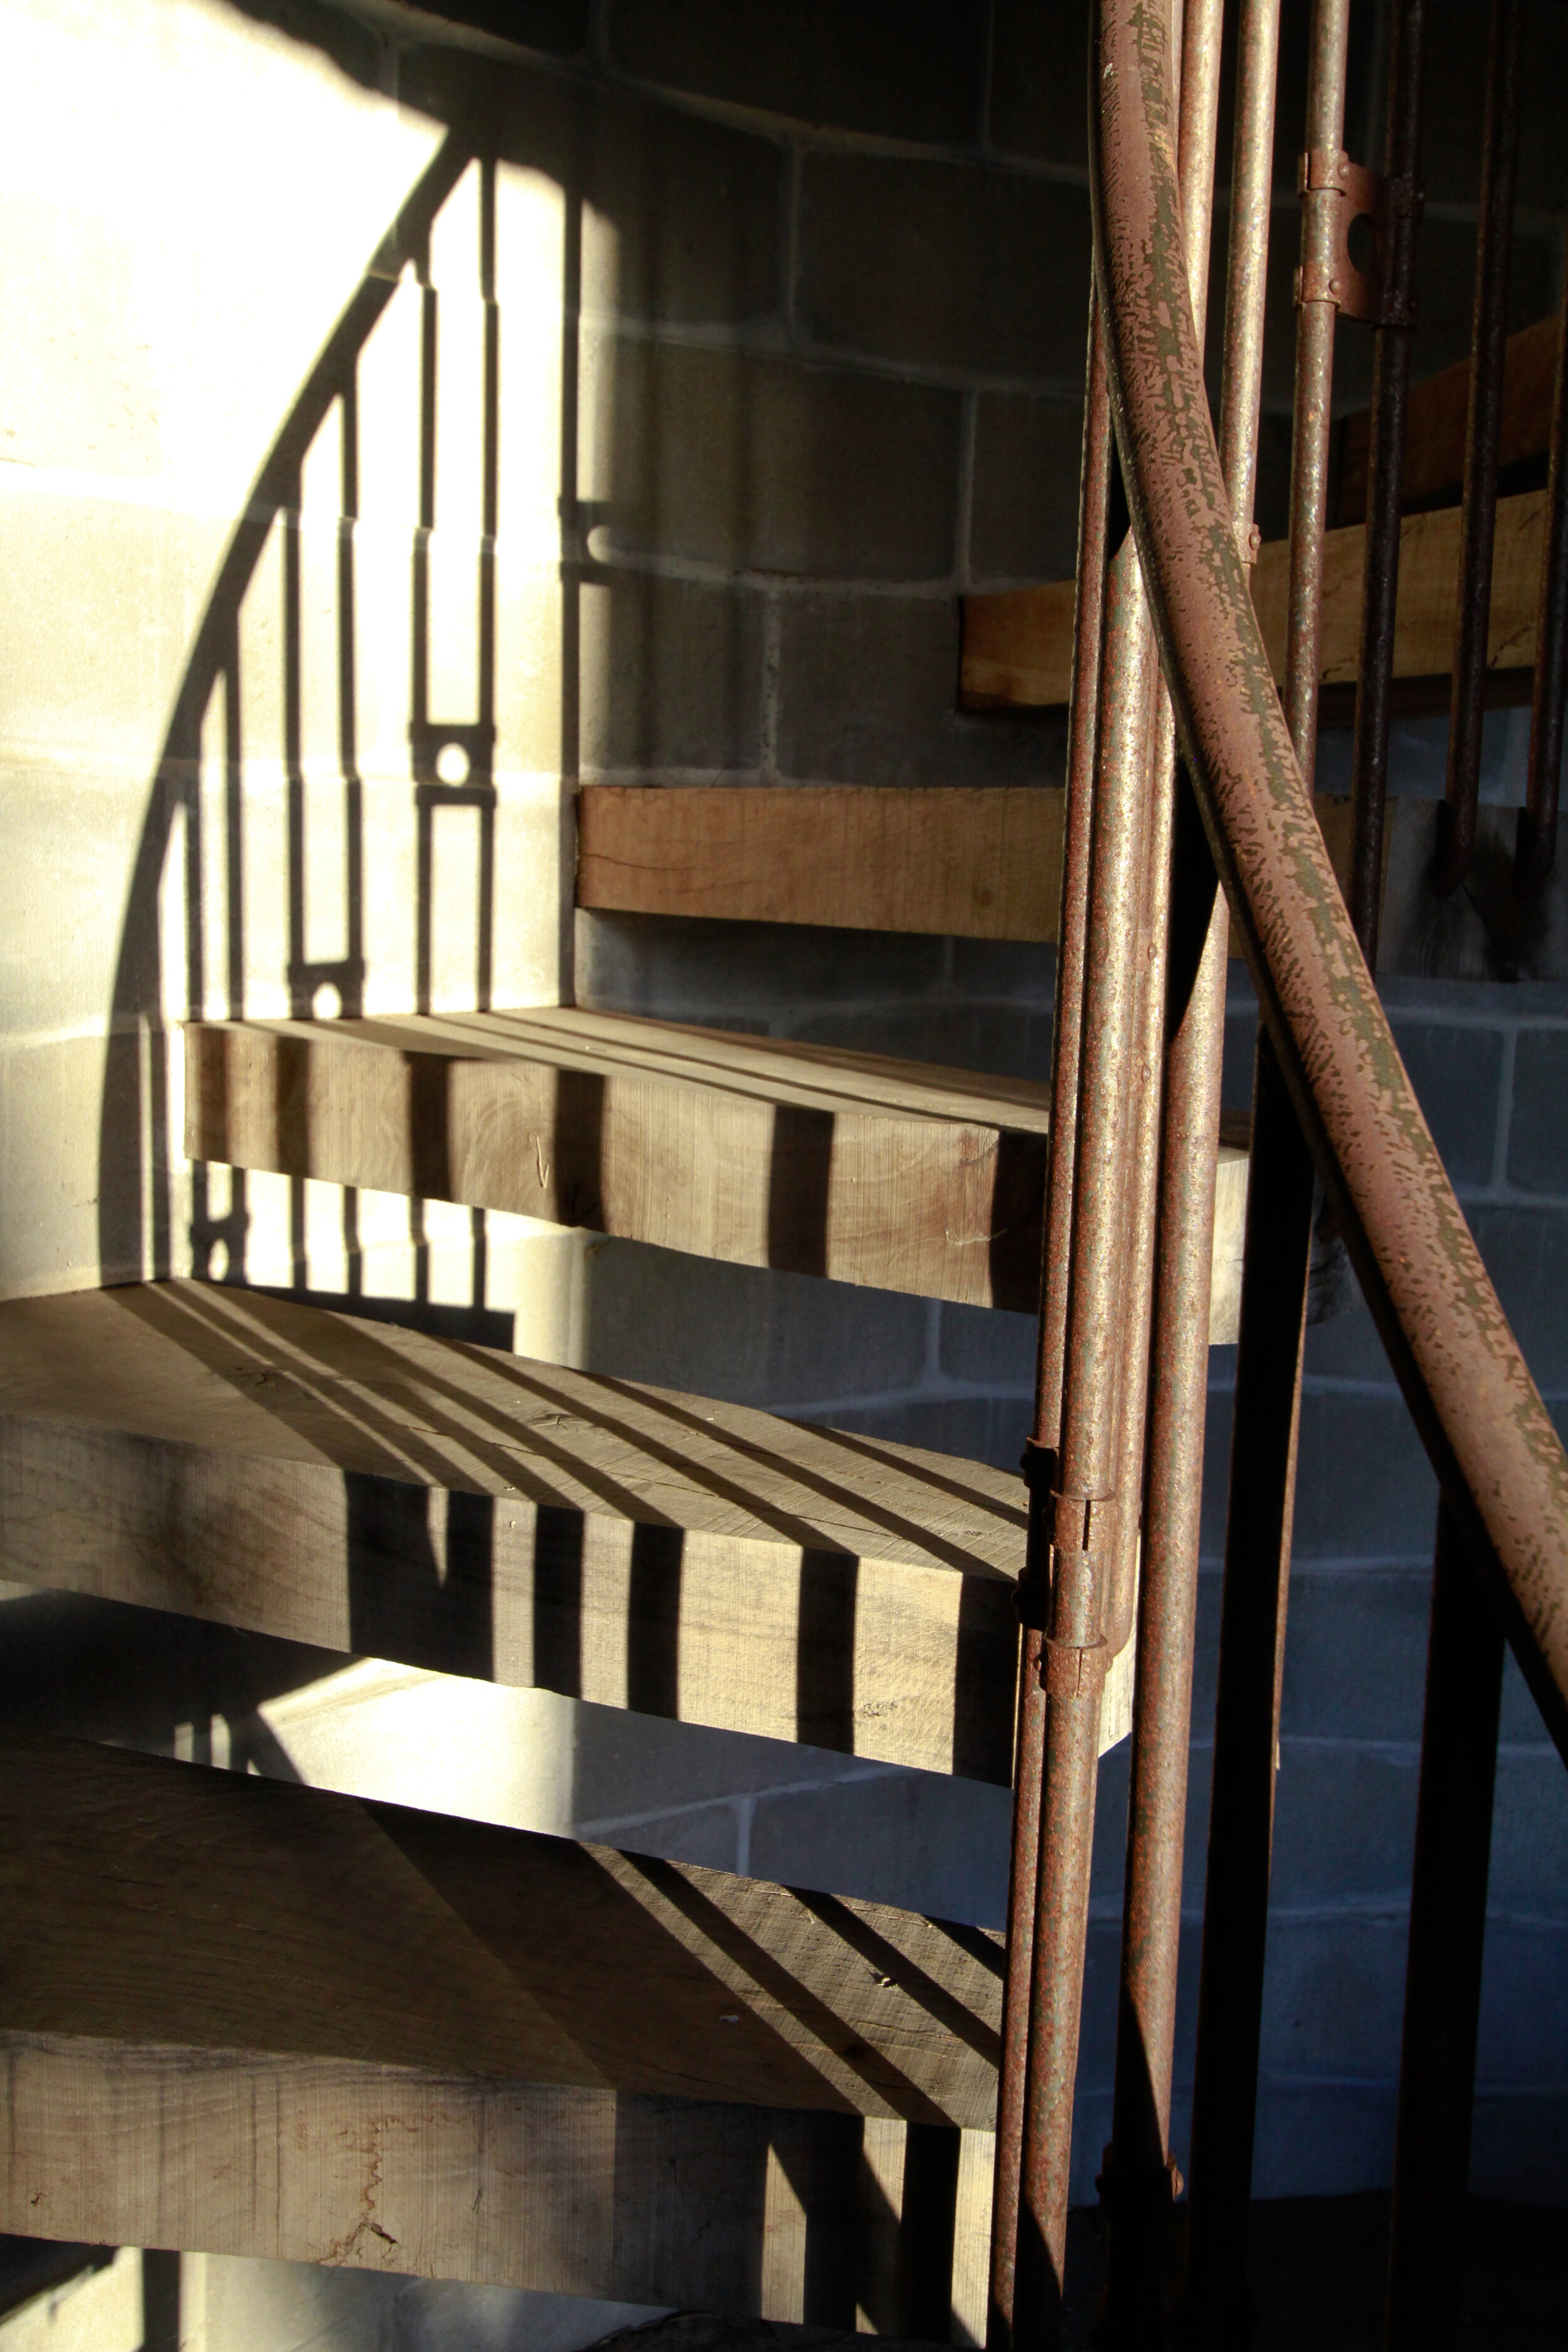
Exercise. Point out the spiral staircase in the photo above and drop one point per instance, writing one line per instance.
(300, 2020)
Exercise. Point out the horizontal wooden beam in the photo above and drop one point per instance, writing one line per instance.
(1017, 646)
(800, 1157)
(773, 862)
(772, 859)
(971, 863)
(362, 1487)
(259, 2020)
(1436, 416)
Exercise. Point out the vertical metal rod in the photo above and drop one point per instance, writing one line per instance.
(1194, 34)
(1246, 1709)
(1321, 210)
(1537, 837)
(1137, 2181)
(1448, 1932)
(1143, 1183)
(1464, 1661)
(1084, 1502)
(1094, 505)
(1251, 194)
(1483, 427)
(1268, 1400)
(1385, 470)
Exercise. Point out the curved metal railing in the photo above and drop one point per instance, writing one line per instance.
(1118, 1440)
(1500, 1461)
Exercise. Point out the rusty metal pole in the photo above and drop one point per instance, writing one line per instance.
(1094, 507)
(1498, 1457)
(1322, 211)
(1192, 40)
(1246, 1711)
(1386, 468)
(1536, 843)
(1464, 1661)
(1483, 428)
(1267, 1380)
(1448, 1935)
(1136, 2184)
(1084, 1503)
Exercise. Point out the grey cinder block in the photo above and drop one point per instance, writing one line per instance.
(987, 1037)
(904, 72)
(673, 671)
(740, 1332)
(867, 695)
(1538, 1130)
(752, 976)
(685, 219)
(986, 1343)
(1457, 1073)
(759, 461)
(945, 265)
(1039, 81)
(1021, 971)
(1027, 452)
(559, 26)
(1526, 1251)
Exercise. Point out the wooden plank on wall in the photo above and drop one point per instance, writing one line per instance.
(984, 864)
(1436, 416)
(1023, 637)
(964, 837)
(249, 2019)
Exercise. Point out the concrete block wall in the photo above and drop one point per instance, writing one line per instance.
(958, 1379)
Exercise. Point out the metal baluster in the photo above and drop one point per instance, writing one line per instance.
(1267, 1378)
(1385, 469)
(1137, 2182)
(1483, 428)
(1094, 506)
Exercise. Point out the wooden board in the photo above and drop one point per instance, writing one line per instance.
(248, 2019)
(1017, 648)
(970, 864)
(363, 1488)
(960, 833)
(1436, 414)
(1022, 639)
(896, 1174)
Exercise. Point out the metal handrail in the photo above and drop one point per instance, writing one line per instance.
(1503, 1469)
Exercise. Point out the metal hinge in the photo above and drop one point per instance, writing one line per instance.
(1356, 194)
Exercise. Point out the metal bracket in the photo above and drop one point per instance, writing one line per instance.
(1362, 195)
(1032, 1601)
(1069, 1672)
(1039, 1465)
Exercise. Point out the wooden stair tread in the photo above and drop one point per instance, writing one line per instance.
(770, 1069)
(205, 1364)
(224, 1454)
(1436, 416)
(800, 1158)
(1017, 644)
(219, 1911)
(263, 2020)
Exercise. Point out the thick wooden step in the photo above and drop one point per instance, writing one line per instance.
(227, 1455)
(866, 1170)
(1018, 645)
(248, 2019)
(1436, 416)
